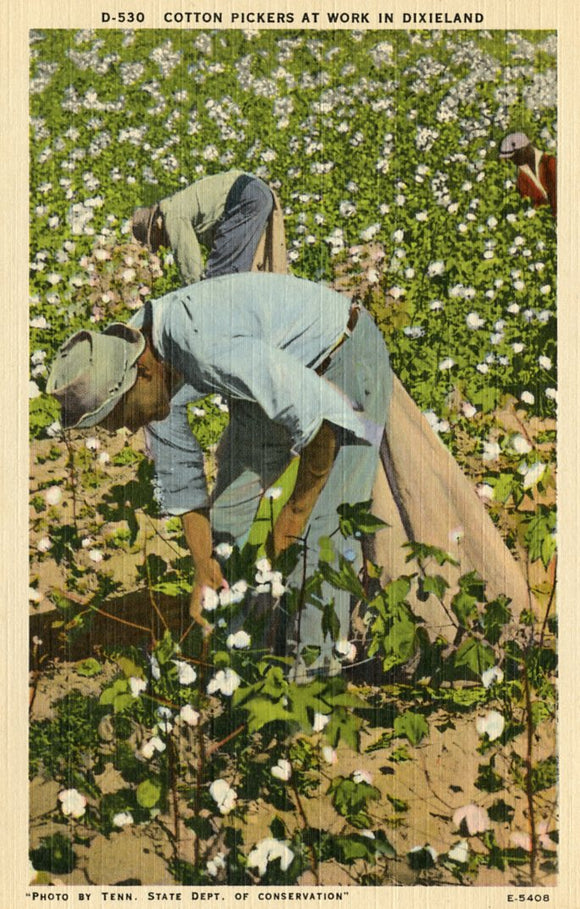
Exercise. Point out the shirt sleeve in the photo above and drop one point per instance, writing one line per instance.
(184, 244)
(180, 484)
(291, 394)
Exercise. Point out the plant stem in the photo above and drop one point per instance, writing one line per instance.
(217, 745)
(550, 601)
(152, 600)
(302, 597)
(529, 767)
(73, 477)
(201, 755)
(306, 827)
(174, 799)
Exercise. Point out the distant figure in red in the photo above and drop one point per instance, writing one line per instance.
(536, 170)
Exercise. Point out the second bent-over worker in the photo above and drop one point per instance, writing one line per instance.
(234, 215)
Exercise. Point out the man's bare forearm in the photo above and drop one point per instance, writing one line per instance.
(197, 530)
(314, 469)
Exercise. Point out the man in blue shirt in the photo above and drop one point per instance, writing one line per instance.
(304, 373)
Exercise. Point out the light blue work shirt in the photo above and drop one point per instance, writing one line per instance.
(254, 338)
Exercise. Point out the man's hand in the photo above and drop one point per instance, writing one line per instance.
(314, 468)
(208, 577)
(208, 574)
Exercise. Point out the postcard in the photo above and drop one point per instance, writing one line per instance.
(289, 508)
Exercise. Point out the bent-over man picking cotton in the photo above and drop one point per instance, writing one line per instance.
(304, 373)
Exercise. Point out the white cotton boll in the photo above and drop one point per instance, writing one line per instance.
(225, 682)
(520, 445)
(186, 674)
(223, 795)
(545, 362)
(123, 819)
(459, 853)
(533, 474)
(149, 748)
(476, 819)
(72, 803)
(269, 850)
(329, 755)
(95, 555)
(44, 544)
(491, 451)
(527, 397)
(216, 864)
(223, 550)
(484, 491)
(282, 770)
(492, 725)
(362, 776)
(490, 676)
(320, 721)
(346, 650)
(189, 715)
(137, 686)
(209, 599)
(238, 641)
(278, 587)
(474, 321)
(53, 495)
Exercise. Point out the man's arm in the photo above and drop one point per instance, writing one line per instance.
(197, 530)
(316, 462)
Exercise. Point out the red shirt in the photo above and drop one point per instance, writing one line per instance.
(547, 178)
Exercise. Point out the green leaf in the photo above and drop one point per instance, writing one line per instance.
(501, 812)
(129, 668)
(488, 780)
(504, 486)
(343, 579)
(350, 800)
(496, 615)
(422, 552)
(148, 793)
(486, 398)
(165, 649)
(398, 804)
(278, 828)
(540, 535)
(310, 654)
(344, 726)
(89, 668)
(55, 854)
(330, 621)
(465, 607)
(326, 550)
(420, 859)
(112, 691)
(412, 726)
(434, 583)
(544, 774)
(357, 519)
(475, 655)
